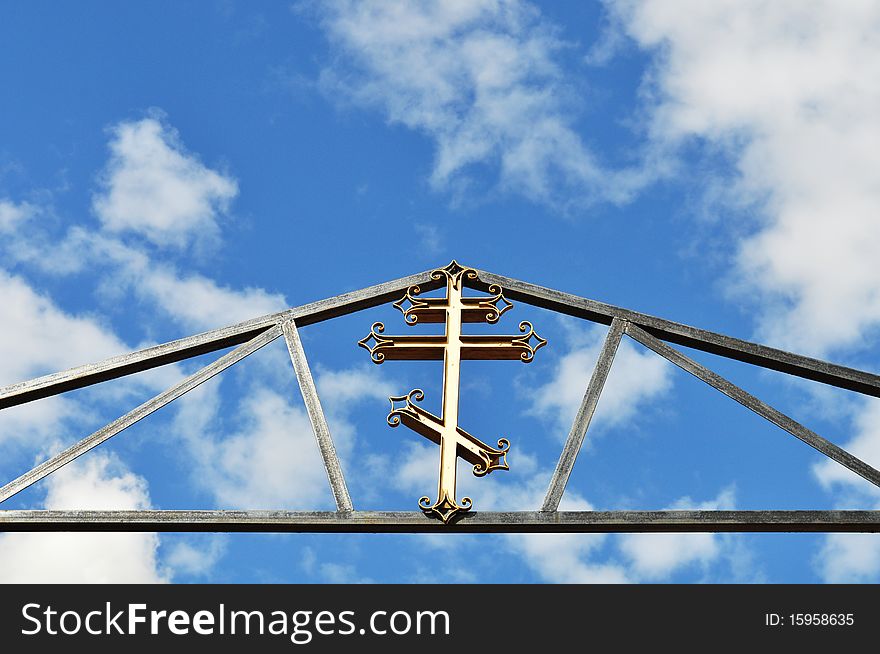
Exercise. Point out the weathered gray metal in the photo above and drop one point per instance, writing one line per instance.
(108, 431)
(584, 415)
(752, 403)
(211, 341)
(699, 339)
(416, 522)
(316, 417)
(254, 334)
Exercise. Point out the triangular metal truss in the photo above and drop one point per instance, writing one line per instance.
(654, 333)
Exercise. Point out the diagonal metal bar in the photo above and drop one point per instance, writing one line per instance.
(316, 417)
(108, 431)
(680, 334)
(751, 402)
(584, 415)
(211, 341)
(218, 339)
(416, 522)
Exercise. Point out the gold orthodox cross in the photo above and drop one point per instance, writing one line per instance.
(452, 348)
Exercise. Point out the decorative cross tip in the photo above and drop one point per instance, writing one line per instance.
(494, 301)
(454, 271)
(408, 409)
(524, 341)
(409, 305)
(445, 508)
(377, 342)
(493, 459)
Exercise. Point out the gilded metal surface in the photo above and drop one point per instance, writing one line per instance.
(452, 347)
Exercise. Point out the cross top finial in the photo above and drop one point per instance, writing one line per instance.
(454, 271)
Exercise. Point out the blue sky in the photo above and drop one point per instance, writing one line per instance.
(171, 168)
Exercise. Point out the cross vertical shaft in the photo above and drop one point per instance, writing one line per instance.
(451, 395)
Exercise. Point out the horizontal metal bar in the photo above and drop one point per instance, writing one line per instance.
(752, 403)
(106, 432)
(211, 341)
(680, 334)
(415, 522)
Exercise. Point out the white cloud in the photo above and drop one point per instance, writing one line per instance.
(416, 467)
(853, 558)
(636, 378)
(196, 557)
(36, 425)
(198, 302)
(341, 391)
(191, 300)
(94, 482)
(270, 460)
(849, 558)
(153, 187)
(788, 90)
(194, 301)
(559, 558)
(658, 556)
(342, 388)
(628, 558)
(612, 559)
(568, 559)
(267, 457)
(13, 214)
(430, 240)
(38, 337)
(331, 572)
(865, 445)
(342, 573)
(483, 80)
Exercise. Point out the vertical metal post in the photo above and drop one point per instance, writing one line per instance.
(584, 415)
(316, 417)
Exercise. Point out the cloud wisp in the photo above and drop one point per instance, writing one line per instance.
(484, 82)
(153, 187)
(96, 482)
(636, 379)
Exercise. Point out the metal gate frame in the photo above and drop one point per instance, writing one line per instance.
(654, 333)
